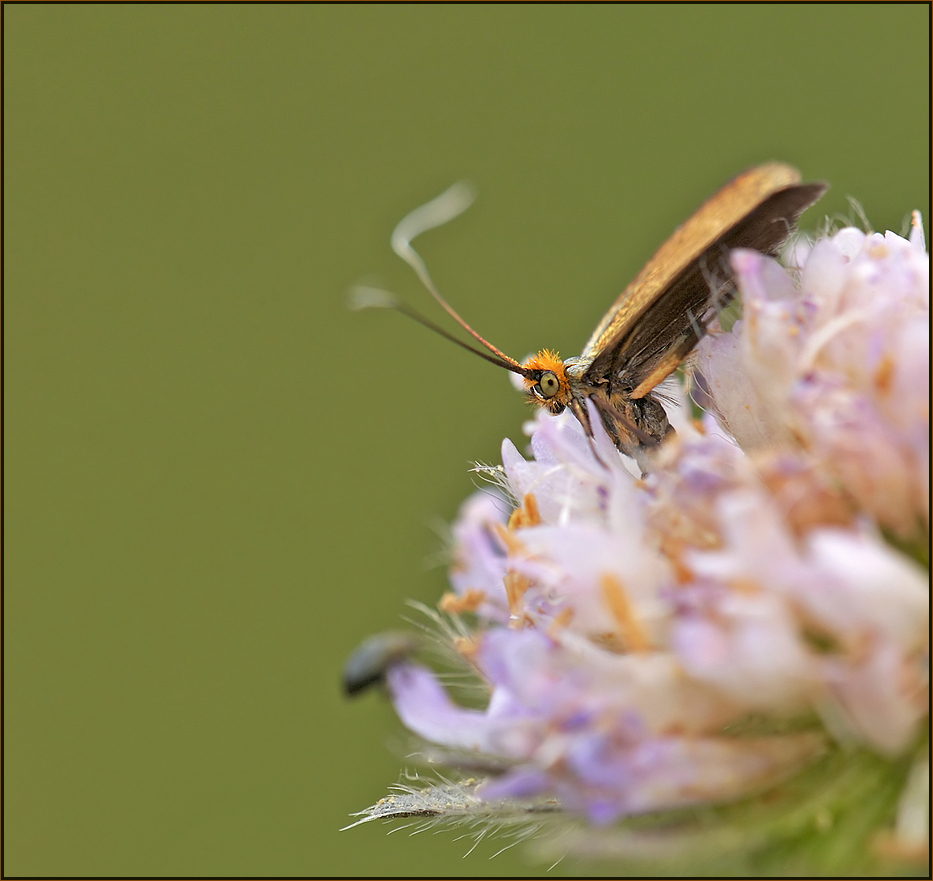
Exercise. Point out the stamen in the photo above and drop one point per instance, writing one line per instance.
(746, 586)
(631, 631)
(467, 646)
(509, 541)
(561, 622)
(885, 373)
(527, 515)
(455, 604)
(516, 586)
(675, 551)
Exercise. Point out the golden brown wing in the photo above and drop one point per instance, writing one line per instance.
(661, 315)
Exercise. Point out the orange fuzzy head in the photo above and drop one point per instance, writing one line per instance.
(546, 381)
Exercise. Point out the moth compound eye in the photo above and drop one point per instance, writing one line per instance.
(548, 384)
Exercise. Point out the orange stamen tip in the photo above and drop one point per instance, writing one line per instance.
(531, 507)
(527, 515)
(516, 586)
(884, 375)
(467, 646)
(747, 586)
(454, 604)
(630, 629)
(509, 542)
(675, 551)
(560, 622)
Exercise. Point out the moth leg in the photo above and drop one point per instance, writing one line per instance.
(636, 425)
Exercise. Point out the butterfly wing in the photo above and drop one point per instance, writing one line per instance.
(663, 313)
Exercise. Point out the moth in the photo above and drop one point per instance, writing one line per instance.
(655, 323)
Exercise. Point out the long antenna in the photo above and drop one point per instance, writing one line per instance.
(365, 297)
(440, 210)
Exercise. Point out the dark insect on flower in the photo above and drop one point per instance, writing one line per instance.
(374, 657)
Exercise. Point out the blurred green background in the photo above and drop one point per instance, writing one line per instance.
(218, 480)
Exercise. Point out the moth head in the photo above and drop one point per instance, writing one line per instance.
(545, 380)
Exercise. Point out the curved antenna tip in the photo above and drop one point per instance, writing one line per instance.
(452, 202)
(364, 297)
(440, 210)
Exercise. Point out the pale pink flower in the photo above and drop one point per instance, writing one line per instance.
(700, 635)
(838, 367)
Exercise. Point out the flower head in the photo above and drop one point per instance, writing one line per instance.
(701, 635)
